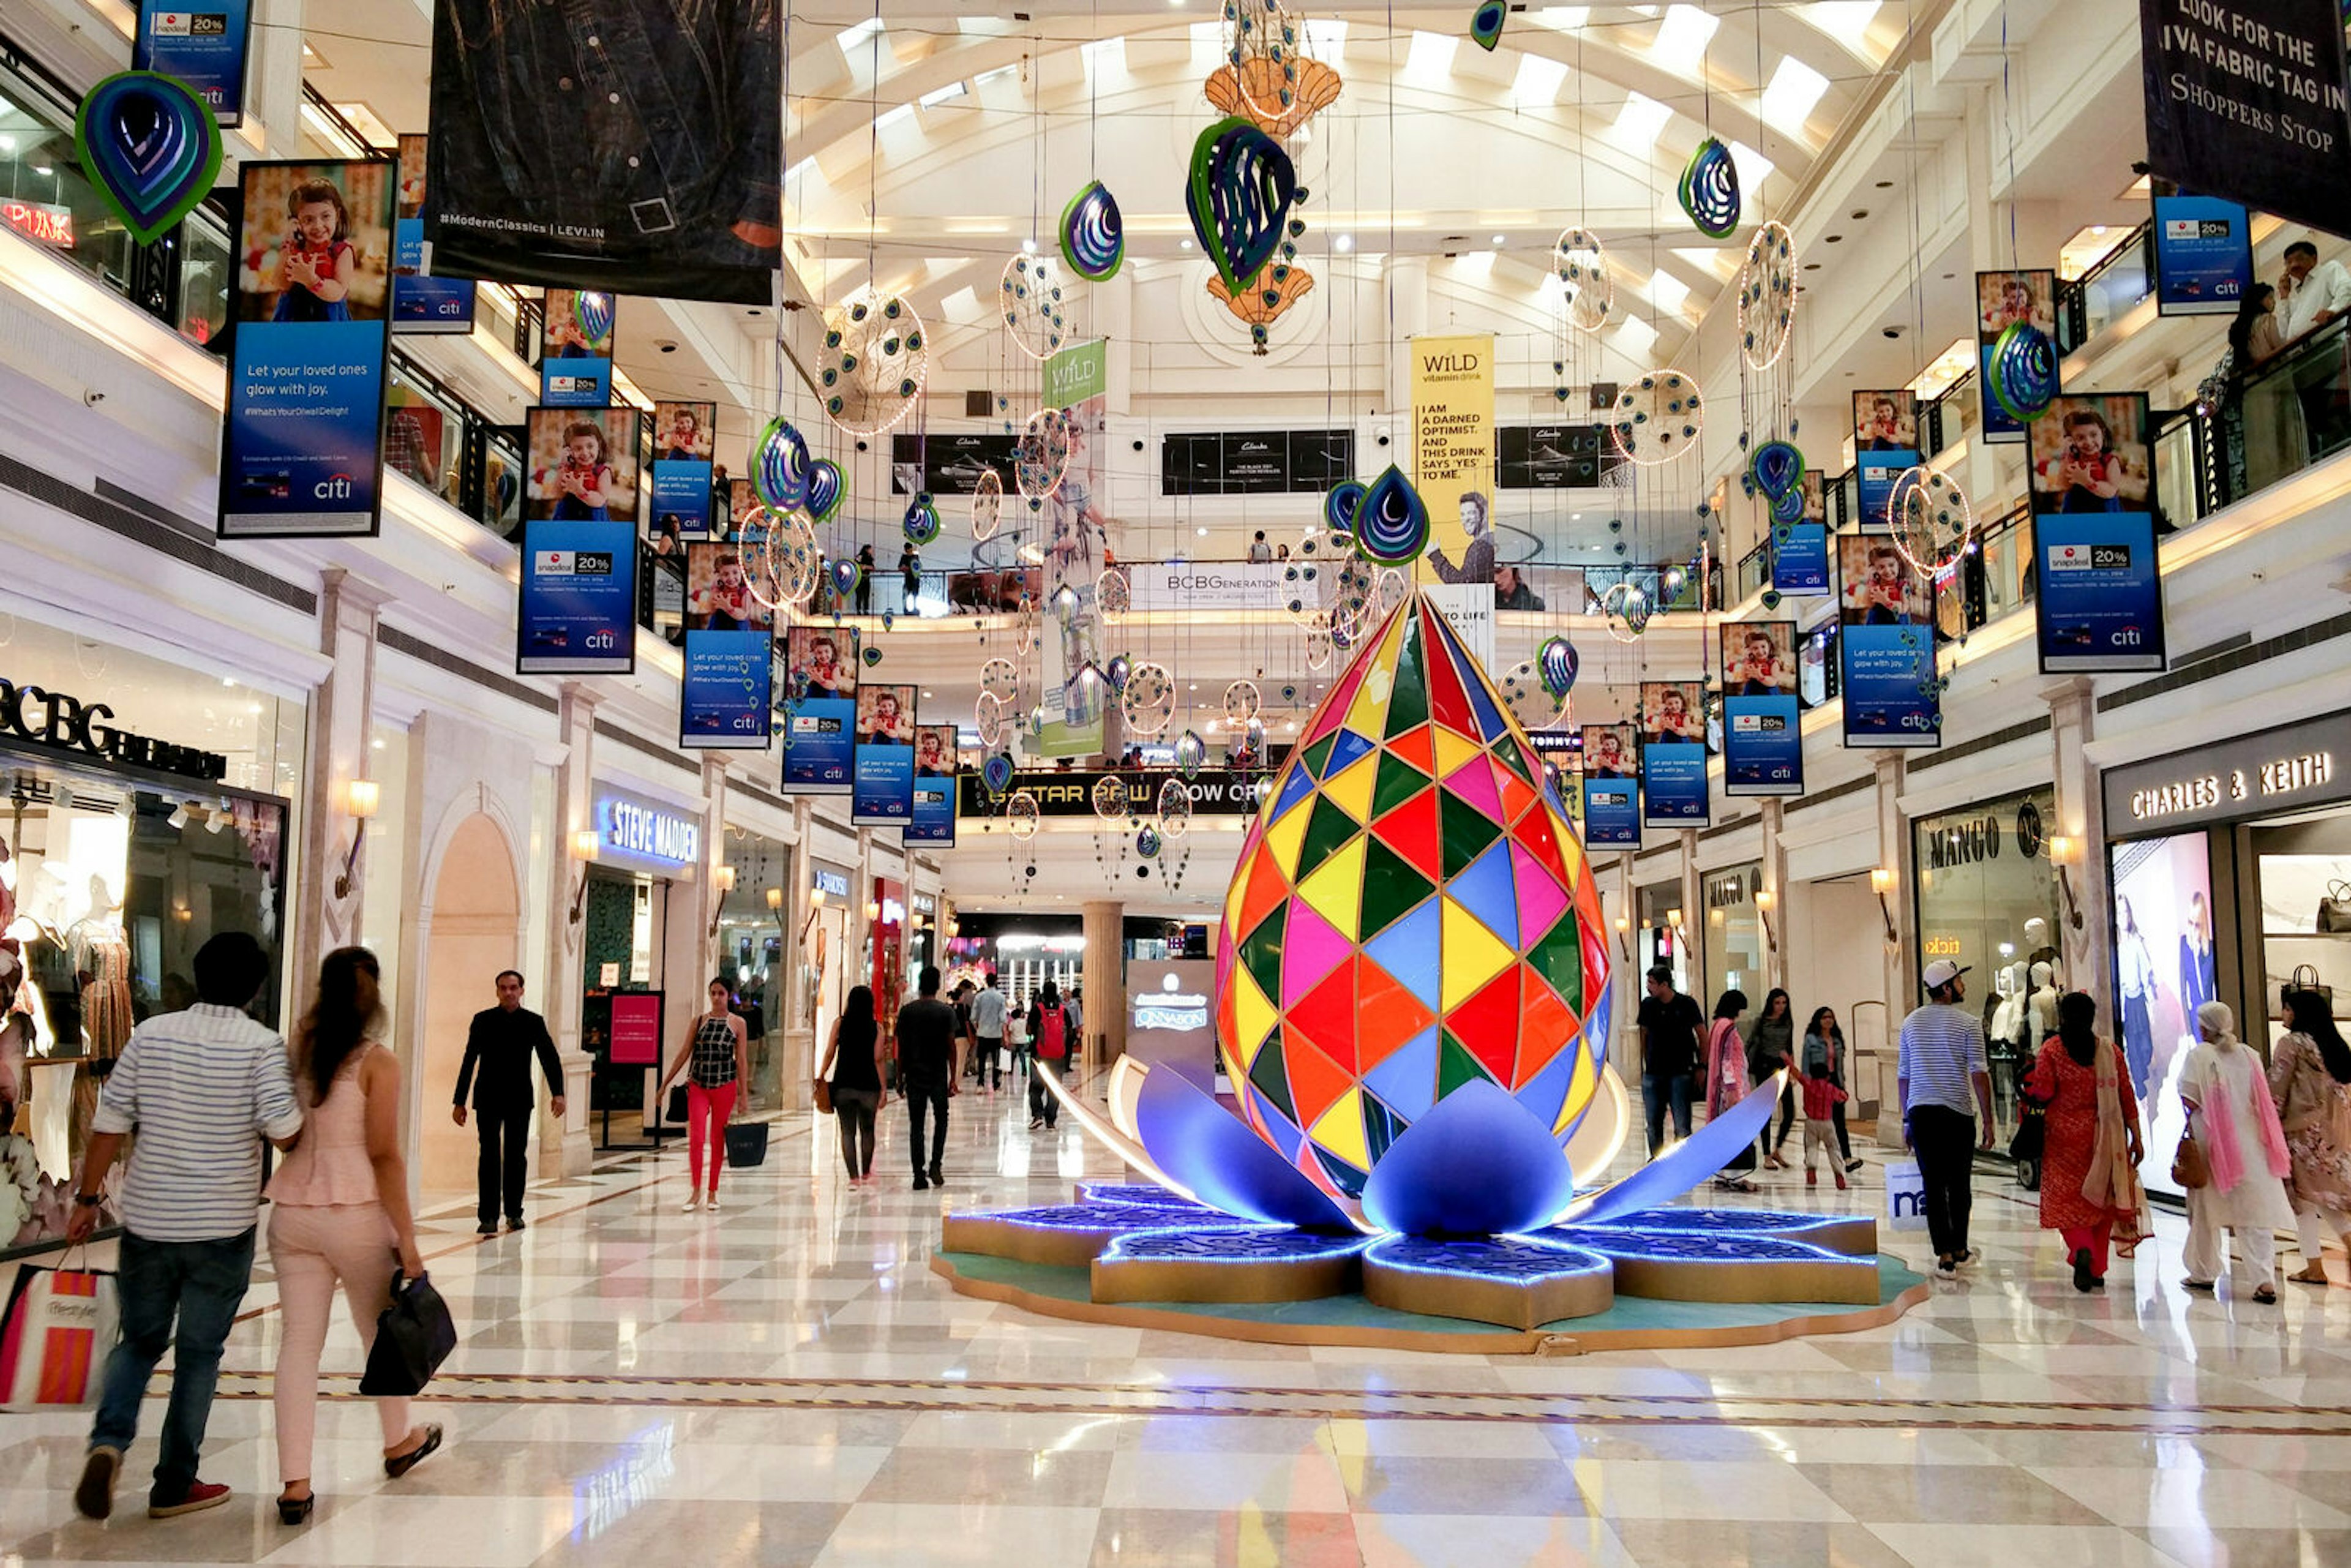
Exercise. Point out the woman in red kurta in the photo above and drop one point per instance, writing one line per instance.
(2090, 1193)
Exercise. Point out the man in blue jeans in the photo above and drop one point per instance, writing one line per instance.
(203, 1088)
(1669, 1023)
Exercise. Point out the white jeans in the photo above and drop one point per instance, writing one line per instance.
(2207, 1252)
(2314, 1222)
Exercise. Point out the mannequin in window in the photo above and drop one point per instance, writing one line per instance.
(2038, 949)
(2008, 1018)
(102, 962)
(2135, 963)
(2041, 1007)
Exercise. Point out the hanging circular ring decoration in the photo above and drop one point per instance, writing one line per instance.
(1657, 419)
(1710, 189)
(1114, 596)
(1580, 262)
(1110, 798)
(1929, 518)
(1023, 816)
(779, 473)
(1628, 608)
(1031, 296)
(2024, 372)
(1392, 523)
(1767, 295)
(987, 712)
(1042, 454)
(1175, 809)
(1319, 647)
(1148, 703)
(1242, 702)
(874, 361)
(1529, 698)
(1356, 592)
(1093, 235)
(1393, 592)
(789, 561)
(1000, 678)
(987, 504)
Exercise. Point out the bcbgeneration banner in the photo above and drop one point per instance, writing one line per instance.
(1453, 447)
(1210, 585)
(609, 147)
(2245, 101)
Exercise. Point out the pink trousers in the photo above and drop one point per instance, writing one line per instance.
(312, 1249)
(706, 1110)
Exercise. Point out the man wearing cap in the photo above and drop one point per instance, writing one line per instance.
(1943, 1083)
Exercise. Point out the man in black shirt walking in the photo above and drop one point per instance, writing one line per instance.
(930, 1060)
(1669, 1022)
(504, 1039)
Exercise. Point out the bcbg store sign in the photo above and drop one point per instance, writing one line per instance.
(59, 723)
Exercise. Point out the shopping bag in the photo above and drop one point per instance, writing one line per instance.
(1003, 1059)
(1906, 1196)
(55, 1336)
(414, 1336)
(746, 1144)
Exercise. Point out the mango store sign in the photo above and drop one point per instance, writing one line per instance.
(634, 830)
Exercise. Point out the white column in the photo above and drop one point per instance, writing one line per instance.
(802, 1050)
(1770, 905)
(325, 912)
(1902, 992)
(1692, 936)
(2083, 935)
(568, 1148)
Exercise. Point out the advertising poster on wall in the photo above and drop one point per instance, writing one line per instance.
(582, 463)
(1611, 786)
(422, 304)
(934, 821)
(2003, 299)
(660, 175)
(1885, 444)
(1763, 738)
(2203, 256)
(950, 463)
(2165, 969)
(2100, 600)
(820, 709)
(1553, 456)
(884, 773)
(2245, 101)
(579, 599)
(1800, 559)
(1452, 446)
(575, 349)
(302, 432)
(1078, 543)
(204, 48)
(1892, 696)
(682, 436)
(1673, 754)
(726, 696)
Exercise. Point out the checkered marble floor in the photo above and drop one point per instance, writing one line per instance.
(786, 1382)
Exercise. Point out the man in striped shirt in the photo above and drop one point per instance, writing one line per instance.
(203, 1088)
(1943, 1082)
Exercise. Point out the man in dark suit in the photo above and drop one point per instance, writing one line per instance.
(503, 1039)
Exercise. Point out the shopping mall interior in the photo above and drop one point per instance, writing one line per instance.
(1326, 559)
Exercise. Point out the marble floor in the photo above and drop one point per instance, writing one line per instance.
(786, 1382)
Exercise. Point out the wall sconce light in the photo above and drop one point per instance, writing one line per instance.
(722, 882)
(1881, 881)
(585, 849)
(1765, 899)
(775, 899)
(1624, 946)
(1674, 918)
(873, 911)
(361, 798)
(2062, 850)
(1716, 917)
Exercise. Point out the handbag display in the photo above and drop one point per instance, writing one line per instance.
(2334, 908)
(746, 1144)
(413, 1335)
(60, 1325)
(2188, 1169)
(824, 1096)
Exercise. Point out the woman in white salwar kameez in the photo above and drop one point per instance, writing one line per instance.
(2236, 1124)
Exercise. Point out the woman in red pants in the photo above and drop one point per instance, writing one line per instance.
(717, 1057)
(2089, 1166)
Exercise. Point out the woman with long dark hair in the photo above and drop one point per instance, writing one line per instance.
(2310, 1078)
(1770, 1046)
(852, 1065)
(2090, 1153)
(1726, 1082)
(338, 1213)
(1823, 1056)
(716, 1060)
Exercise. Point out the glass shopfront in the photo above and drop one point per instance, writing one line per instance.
(1663, 940)
(752, 918)
(1987, 899)
(1734, 932)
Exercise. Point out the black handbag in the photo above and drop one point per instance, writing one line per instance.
(2032, 1135)
(677, 1105)
(414, 1336)
(746, 1144)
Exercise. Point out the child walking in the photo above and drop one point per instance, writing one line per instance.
(1822, 1097)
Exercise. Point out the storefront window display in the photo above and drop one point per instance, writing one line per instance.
(821, 958)
(1988, 900)
(754, 918)
(1734, 931)
(1662, 928)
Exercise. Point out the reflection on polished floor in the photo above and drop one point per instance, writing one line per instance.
(786, 1382)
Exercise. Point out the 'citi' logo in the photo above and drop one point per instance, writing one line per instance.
(334, 488)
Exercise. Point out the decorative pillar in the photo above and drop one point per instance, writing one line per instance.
(567, 1147)
(1105, 977)
(2078, 846)
(714, 855)
(862, 926)
(326, 906)
(1892, 881)
(1692, 935)
(272, 101)
(802, 1050)
(1770, 906)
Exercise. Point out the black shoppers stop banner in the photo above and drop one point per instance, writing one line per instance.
(2245, 101)
(629, 145)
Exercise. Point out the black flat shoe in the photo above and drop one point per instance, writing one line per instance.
(296, 1511)
(2083, 1277)
(400, 1466)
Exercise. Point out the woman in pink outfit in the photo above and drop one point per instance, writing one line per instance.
(340, 1214)
(716, 1060)
(1726, 1082)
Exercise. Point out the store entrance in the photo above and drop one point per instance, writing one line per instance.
(475, 931)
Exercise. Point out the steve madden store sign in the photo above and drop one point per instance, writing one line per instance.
(2254, 775)
(57, 722)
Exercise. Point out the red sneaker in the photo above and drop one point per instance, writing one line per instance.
(200, 1496)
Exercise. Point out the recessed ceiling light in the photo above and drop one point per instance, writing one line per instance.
(1498, 240)
(1343, 244)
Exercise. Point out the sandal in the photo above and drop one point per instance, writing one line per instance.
(2203, 1285)
(2266, 1296)
(400, 1465)
(2312, 1274)
(296, 1511)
